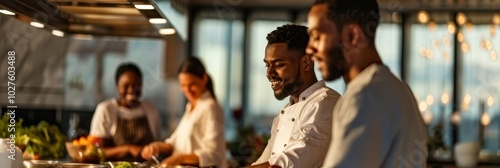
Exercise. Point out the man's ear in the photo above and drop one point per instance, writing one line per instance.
(353, 36)
(308, 62)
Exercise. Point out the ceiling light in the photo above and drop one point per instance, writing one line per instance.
(460, 37)
(422, 106)
(157, 20)
(429, 100)
(451, 27)
(144, 7)
(7, 12)
(37, 24)
(490, 101)
(493, 55)
(496, 19)
(461, 18)
(167, 31)
(423, 17)
(82, 37)
(58, 33)
(445, 98)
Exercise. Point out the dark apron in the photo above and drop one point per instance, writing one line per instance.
(134, 131)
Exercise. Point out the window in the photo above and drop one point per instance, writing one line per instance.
(219, 44)
(430, 75)
(479, 94)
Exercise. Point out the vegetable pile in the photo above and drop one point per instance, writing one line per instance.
(42, 141)
(124, 165)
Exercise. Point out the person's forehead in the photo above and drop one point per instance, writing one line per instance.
(279, 52)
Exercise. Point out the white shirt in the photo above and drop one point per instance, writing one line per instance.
(201, 131)
(377, 124)
(301, 132)
(105, 117)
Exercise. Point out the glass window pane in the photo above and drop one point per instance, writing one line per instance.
(430, 76)
(219, 44)
(480, 92)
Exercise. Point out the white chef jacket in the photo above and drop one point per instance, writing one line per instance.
(377, 123)
(104, 120)
(201, 131)
(301, 132)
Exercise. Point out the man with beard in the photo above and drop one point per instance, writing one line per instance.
(302, 130)
(376, 123)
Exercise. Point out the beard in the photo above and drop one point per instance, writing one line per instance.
(335, 64)
(288, 88)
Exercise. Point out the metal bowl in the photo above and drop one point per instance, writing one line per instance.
(80, 165)
(134, 164)
(40, 163)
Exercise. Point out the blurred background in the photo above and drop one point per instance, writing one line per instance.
(67, 52)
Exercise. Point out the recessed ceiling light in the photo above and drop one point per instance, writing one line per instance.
(167, 31)
(37, 24)
(7, 12)
(82, 37)
(157, 20)
(144, 7)
(58, 33)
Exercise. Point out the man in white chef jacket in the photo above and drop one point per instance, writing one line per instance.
(376, 123)
(301, 131)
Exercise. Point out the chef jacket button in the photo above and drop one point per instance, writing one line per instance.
(293, 119)
(303, 98)
(285, 145)
(272, 153)
(277, 130)
(282, 111)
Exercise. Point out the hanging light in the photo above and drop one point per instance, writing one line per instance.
(460, 36)
(493, 55)
(423, 52)
(429, 100)
(488, 45)
(422, 106)
(492, 30)
(461, 18)
(496, 19)
(445, 98)
(465, 47)
(423, 16)
(432, 25)
(451, 27)
(435, 43)
(490, 101)
(467, 98)
(446, 41)
(455, 118)
(485, 119)
(427, 116)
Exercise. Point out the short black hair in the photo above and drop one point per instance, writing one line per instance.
(363, 12)
(127, 66)
(295, 37)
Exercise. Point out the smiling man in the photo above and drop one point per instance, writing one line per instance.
(302, 130)
(376, 123)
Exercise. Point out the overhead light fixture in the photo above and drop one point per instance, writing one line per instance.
(82, 37)
(37, 24)
(167, 31)
(58, 33)
(157, 20)
(496, 19)
(7, 12)
(423, 17)
(451, 28)
(144, 7)
(461, 18)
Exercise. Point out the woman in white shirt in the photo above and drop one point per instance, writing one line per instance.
(125, 123)
(199, 137)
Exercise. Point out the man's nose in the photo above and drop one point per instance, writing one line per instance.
(310, 49)
(271, 72)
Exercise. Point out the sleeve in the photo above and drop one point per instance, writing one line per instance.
(357, 129)
(267, 151)
(308, 147)
(212, 151)
(101, 122)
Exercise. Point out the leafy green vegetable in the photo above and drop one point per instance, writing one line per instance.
(43, 141)
(124, 165)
